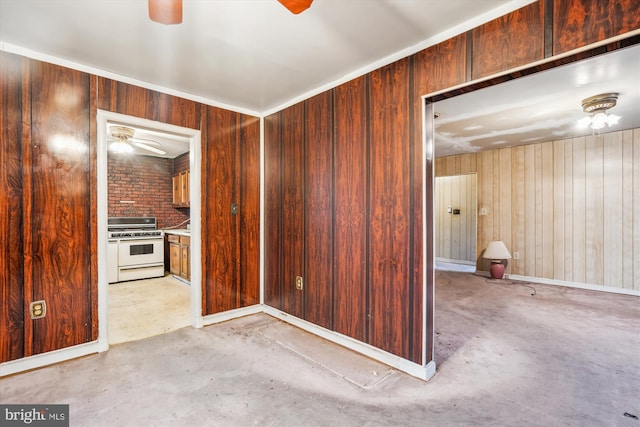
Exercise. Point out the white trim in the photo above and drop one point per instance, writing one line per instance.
(554, 282)
(195, 160)
(502, 10)
(49, 358)
(424, 372)
(19, 50)
(224, 316)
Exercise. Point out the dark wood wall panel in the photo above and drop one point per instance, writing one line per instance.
(293, 208)
(220, 283)
(11, 249)
(273, 210)
(390, 281)
(440, 66)
(509, 41)
(577, 23)
(318, 209)
(60, 211)
(350, 256)
(124, 98)
(249, 199)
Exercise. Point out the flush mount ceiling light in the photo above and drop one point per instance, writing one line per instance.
(597, 107)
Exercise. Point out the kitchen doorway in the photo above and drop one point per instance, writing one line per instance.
(146, 143)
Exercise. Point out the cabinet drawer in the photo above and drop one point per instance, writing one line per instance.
(173, 238)
(185, 240)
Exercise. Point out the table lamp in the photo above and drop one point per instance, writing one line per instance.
(496, 251)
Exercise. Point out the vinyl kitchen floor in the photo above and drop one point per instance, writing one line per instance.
(144, 308)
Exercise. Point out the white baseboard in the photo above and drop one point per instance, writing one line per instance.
(49, 358)
(555, 282)
(212, 319)
(419, 371)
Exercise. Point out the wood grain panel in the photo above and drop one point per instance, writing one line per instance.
(613, 208)
(390, 281)
(293, 248)
(124, 98)
(440, 66)
(517, 208)
(273, 211)
(350, 256)
(547, 231)
(318, 209)
(220, 280)
(456, 234)
(594, 225)
(11, 255)
(61, 211)
(249, 199)
(558, 269)
(578, 23)
(579, 209)
(509, 41)
(630, 200)
(569, 213)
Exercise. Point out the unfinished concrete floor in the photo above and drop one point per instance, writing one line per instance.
(564, 357)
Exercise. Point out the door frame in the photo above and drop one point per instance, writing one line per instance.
(103, 118)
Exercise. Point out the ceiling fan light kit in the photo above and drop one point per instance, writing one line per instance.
(169, 12)
(597, 107)
(123, 139)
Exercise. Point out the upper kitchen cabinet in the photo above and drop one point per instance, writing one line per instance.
(181, 189)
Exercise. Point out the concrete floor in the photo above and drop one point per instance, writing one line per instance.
(562, 357)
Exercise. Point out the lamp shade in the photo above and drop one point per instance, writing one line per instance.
(496, 250)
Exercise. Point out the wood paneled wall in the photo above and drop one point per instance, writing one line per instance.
(48, 231)
(569, 207)
(456, 233)
(370, 247)
(230, 242)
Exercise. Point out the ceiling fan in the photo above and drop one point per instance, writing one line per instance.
(122, 138)
(169, 12)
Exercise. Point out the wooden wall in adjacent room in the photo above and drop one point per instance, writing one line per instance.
(570, 208)
(370, 246)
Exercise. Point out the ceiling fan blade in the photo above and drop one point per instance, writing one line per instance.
(168, 12)
(145, 141)
(148, 148)
(296, 6)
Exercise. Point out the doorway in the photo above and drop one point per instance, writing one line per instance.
(193, 137)
(456, 222)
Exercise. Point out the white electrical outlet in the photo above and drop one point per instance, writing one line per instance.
(516, 255)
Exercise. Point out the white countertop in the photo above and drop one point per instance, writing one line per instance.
(178, 231)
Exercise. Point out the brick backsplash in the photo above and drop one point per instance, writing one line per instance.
(145, 181)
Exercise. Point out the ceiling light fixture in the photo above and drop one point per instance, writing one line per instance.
(597, 107)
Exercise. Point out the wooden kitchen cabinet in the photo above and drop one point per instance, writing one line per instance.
(179, 255)
(175, 255)
(181, 189)
(185, 257)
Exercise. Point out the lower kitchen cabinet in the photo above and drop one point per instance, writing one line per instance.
(179, 255)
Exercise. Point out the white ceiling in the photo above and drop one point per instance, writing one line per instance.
(250, 56)
(541, 107)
